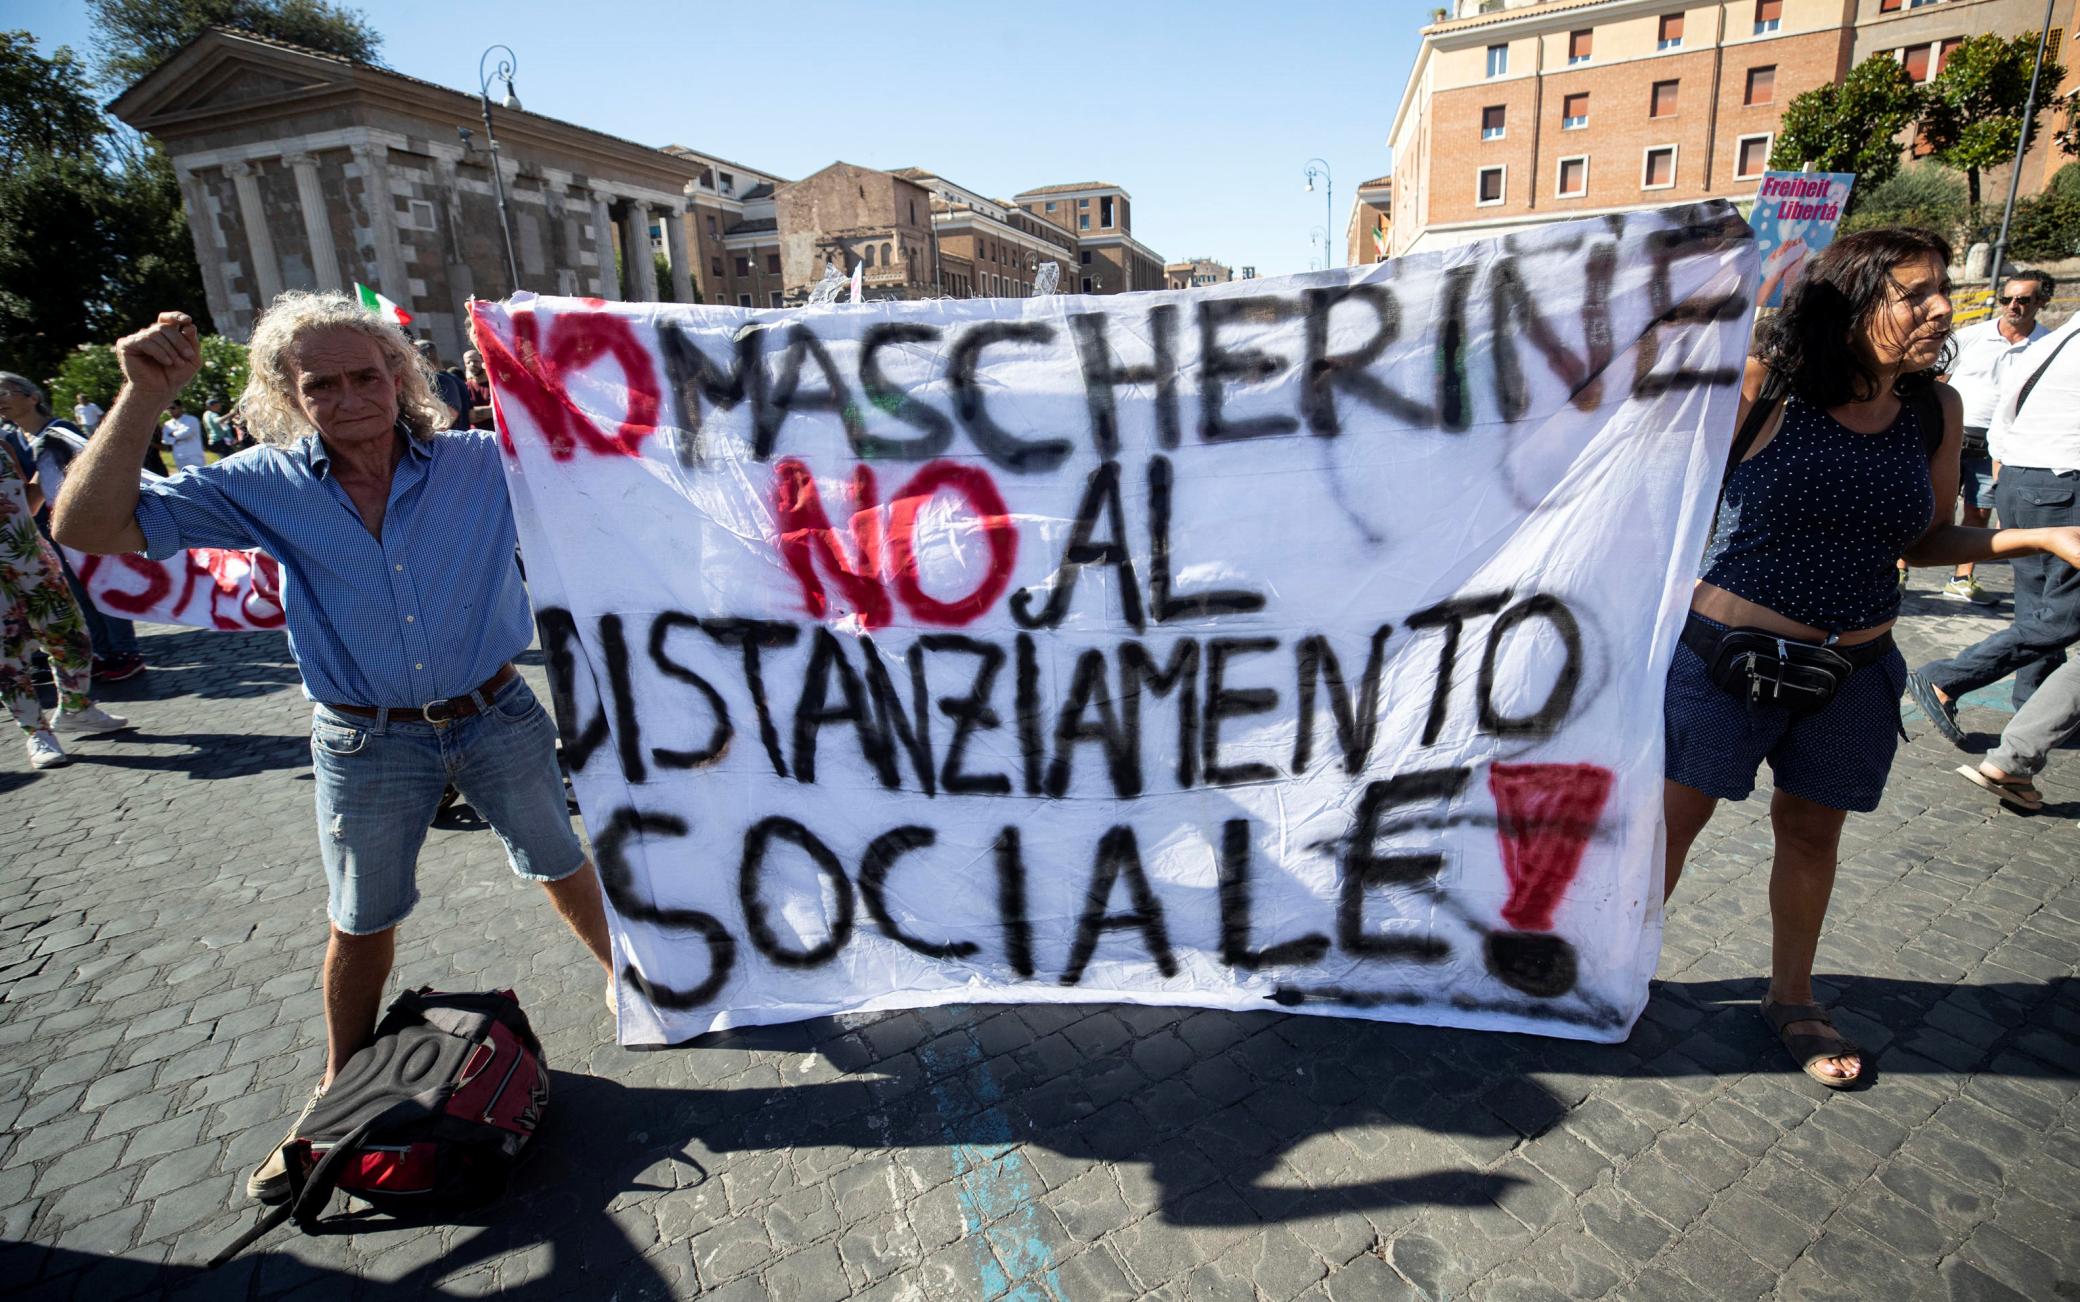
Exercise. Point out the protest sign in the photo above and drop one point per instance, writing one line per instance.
(1795, 217)
(1289, 643)
(208, 587)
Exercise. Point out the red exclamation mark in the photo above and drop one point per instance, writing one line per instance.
(1545, 815)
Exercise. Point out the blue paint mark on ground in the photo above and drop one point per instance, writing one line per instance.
(996, 1187)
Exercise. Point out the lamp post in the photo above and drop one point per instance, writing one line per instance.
(1317, 167)
(2029, 113)
(503, 72)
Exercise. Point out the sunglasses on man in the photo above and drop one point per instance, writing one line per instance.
(2018, 298)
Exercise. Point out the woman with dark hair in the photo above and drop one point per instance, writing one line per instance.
(1846, 446)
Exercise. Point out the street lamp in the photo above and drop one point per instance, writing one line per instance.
(503, 72)
(1317, 167)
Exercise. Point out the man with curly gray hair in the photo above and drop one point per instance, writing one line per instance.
(405, 610)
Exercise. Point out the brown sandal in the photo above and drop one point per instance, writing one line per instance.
(2016, 793)
(1807, 1048)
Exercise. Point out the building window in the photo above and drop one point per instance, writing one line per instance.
(773, 263)
(1084, 257)
(1574, 177)
(1491, 187)
(1659, 170)
(1671, 32)
(1083, 221)
(1083, 203)
(1952, 42)
(870, 255)
(1915, 57)
(1050, 205)
(743, 265)
(1086, 284)
(1492, 122)
(1574, 111)
(1751, 157)
(419, 216)
(1769, 15)
(1663, 102)
(1762, 85)
(886, 260)
(773, 299)
(715, 265)
(1578, 47)
(1498, 60)
(743, 300)
(711, 227)
(729, 183)
(1105, 215)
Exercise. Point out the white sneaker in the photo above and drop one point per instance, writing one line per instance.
(45, 752)
(93, 719)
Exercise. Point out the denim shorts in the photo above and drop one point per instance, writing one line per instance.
(379, 787)
(1975, 481)
(1838, 756)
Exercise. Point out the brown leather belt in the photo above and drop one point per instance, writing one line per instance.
(455, 707)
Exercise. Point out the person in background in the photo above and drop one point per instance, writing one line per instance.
(241, 437)
(447, 385)
(36, 606)
(1846, 458)
(2036, 439)
(216, 426)
(183, 433)
(86, 413)
(50, 446)
(1986, 352)
(2052, 715)
(478, 381)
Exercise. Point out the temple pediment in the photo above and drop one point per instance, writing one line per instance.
(223, 73)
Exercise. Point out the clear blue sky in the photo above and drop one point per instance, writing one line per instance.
(1206, 112)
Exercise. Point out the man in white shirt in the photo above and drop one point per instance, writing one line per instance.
(184, 438)
(2036, 439)
(87, 413)
(1986, 352)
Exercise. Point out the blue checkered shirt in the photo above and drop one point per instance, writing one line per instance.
(429, 611)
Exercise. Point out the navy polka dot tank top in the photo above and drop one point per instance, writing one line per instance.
(1811, 525)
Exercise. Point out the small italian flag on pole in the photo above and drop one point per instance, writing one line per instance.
(381, 306)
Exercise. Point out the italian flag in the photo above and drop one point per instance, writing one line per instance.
(381, 306)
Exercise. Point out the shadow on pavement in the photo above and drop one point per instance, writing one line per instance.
(212, 755)
(1420, 1109)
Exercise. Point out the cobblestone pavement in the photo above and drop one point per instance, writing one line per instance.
(161, 916)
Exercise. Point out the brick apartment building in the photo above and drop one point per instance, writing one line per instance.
(1365, 235)
(304, 170)
(1527, 111)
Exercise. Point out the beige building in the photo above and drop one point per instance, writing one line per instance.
(1520, 112)
(1365, 235)
(1101, 217)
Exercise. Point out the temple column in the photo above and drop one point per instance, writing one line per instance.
(252, 215)
(636, 259)
(603, 245)
(209, 254)
(317, 223)
(676, 250)
(374, 161)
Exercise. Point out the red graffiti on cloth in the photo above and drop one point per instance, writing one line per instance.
(206, 587)
(809, 542)
(538, 371)
(1545, 815)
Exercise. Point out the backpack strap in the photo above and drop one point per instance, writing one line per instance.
(2038, 374)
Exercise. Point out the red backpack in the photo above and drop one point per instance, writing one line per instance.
(430, 1117)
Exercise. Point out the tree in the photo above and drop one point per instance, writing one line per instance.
(1850, 127)
(136, 36)
(1972, 111)
(92, 237)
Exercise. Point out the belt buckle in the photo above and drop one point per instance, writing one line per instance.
(426, 711)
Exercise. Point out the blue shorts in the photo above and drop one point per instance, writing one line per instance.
(1838, 756)
(1975, 481)
(380, 786)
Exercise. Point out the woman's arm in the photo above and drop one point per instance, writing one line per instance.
(1953, 544)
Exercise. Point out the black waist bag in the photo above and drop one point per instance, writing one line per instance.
(1764, 668)
(431, 1117)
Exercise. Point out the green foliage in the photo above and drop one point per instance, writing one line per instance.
(2046, 227)
(1850, 127)
(92, 369)
(2065, 182)
(1922, 194)
(42, 108)
(1972, 111)
(136, 36)
(661, 268)
(93, 241)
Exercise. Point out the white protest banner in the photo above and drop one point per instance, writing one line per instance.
(208, 587)
(1289, 643)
